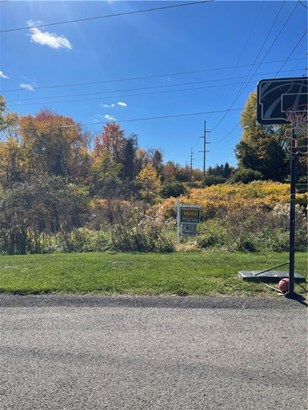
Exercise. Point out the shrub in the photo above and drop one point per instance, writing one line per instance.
(247, 175)
(84, 240)
(280, 217)
(33, 210)
(279, 220)
(254, 229)
(216, 200)
(213, 180)
(211, 234)
(172, 188)
(150, 234)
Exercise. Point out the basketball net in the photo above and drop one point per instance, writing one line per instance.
(298, 118)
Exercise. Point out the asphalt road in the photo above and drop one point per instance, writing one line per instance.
(64, 352)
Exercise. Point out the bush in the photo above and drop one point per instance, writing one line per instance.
(247, 175)
(84, 240)
(172, 188)
(213, 180)
(279, 221)
(211, 234)
(32, 211)
(216, 200)
(253, 229)
(150, 234)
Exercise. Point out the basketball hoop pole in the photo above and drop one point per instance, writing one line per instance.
(292, 212)
(285, 101)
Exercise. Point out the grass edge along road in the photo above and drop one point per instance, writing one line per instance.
(180, 273)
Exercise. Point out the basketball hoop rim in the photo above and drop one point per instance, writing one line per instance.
(293, 109)
(297, 116)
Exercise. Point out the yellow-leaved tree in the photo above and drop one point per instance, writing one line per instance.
(150, 184)
(262, 148)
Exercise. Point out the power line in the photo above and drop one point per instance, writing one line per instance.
(285, 62)
(105, 94)
(248, 78)
(276, 38)
(125, 90)
(119, 96)
(107, 16)
(241, 90)
(146, 77)
(191, 114)
(246, 81)
(169, 116)
(300, 2)
(258, 66)
(295, 47)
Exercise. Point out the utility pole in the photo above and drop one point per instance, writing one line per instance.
(204, 146)
(191, 163)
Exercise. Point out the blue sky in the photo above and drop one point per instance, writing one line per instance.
(190, 64)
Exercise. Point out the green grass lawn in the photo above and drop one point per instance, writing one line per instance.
(180, 273)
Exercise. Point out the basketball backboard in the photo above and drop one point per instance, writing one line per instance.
(278, 95)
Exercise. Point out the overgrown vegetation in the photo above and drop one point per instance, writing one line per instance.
(250, 229)
(64, 190)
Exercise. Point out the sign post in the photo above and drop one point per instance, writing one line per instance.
(177, 221)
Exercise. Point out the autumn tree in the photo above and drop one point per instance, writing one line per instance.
(52, 143)
(8, 121)
(155, 157)
(169, 171)
(150, 184)
(262, 147)
(111, 140)
(115, 163)
(105, 176)
(11, 162)
(10, 150)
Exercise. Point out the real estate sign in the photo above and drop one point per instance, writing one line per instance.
(189, 229)
(187, 217)
(191, 214)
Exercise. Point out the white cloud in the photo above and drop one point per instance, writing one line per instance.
(28, 87)
(109, 117)
(2, 75)
(48, 39)
(108, 105)
(120, 103)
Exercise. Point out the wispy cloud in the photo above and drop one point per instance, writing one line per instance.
(113, 105)
(2, 75)
(44, 38)
(110, 117)
(28, 87)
